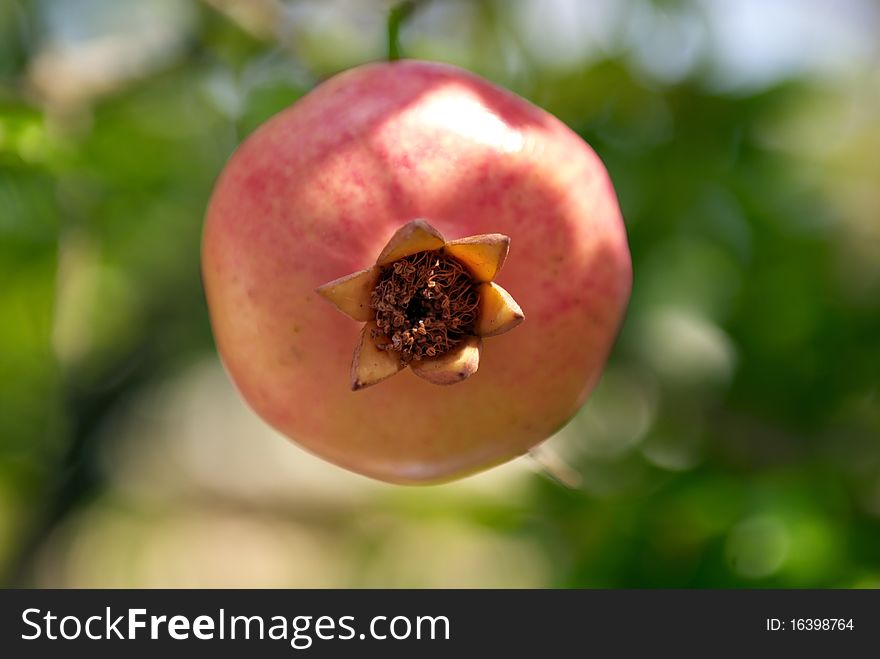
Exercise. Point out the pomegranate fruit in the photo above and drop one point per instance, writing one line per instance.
(393, 191)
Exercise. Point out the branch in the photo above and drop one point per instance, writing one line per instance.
(396, 17)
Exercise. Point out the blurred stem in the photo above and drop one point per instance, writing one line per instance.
(551, 464)
(396, 17)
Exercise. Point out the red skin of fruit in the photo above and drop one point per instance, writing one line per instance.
(317, 191)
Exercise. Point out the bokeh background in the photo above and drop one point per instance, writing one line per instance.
(734, 440)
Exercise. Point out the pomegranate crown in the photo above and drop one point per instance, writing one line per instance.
(427, 303)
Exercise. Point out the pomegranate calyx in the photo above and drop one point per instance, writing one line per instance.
(454, 366)
(351, 293)
(371, 364)
(498, 312)
(482, 255)
(413, 237)
(426, 303)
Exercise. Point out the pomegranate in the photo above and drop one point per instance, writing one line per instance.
(393, 191)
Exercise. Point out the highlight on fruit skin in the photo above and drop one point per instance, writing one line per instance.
(442, 306)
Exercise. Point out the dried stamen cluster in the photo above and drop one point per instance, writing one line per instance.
(425, 303)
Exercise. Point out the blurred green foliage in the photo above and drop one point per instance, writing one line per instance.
(734, 441)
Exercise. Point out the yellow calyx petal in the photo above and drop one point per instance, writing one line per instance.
(483, 255)
(371, 365)
(411, 238)
(498, 312)
(351, 294)
(456, 365)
